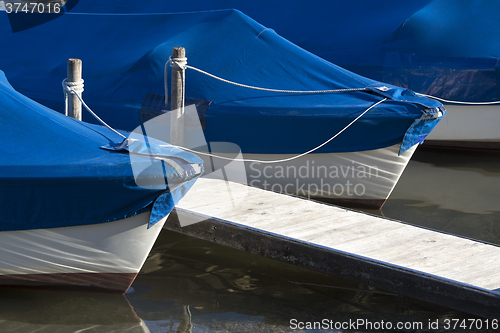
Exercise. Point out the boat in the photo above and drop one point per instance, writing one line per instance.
(304, 126)
(73, 216)
(447, 49)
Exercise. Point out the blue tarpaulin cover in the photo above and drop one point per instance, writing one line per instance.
(54, 173)
(444, 48)
(123, 59)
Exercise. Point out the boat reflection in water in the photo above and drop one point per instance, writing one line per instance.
(43, 311)
(189, 285)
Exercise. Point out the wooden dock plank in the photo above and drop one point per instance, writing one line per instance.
(368, 234)
(418, 262)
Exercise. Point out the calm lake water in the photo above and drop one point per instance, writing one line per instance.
(189, 285)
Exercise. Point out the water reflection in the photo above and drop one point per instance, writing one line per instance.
(225, 290)
(29, 310)
(451, 191)
(464, 181)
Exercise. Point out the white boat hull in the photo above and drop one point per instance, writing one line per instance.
(358, 179)
(105, 256)
(470, 126)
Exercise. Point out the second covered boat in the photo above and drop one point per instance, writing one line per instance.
(332, 134)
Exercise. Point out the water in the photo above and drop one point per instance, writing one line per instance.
(189, 285)
(452, 191)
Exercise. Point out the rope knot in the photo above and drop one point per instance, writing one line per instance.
(73, 87)
(178, 62)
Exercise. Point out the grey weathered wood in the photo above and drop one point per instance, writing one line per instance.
(74, 75)
(433, 266)
(177, 116)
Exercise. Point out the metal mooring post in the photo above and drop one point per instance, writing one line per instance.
(74, 81)
(177, 93)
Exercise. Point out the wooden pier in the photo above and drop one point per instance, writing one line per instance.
(444, 269)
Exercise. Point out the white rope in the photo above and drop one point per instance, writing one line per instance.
(77, 87)
(165, 82)
(177, 63)
(69, 87)
(182, 64)
(459, 102)
(277, 90)
(290, 158)
(72, 88)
